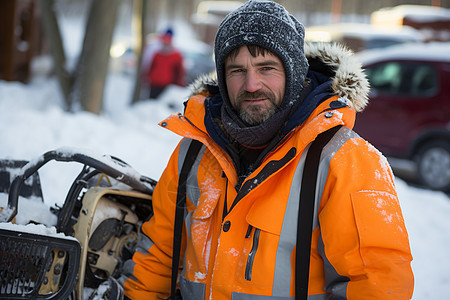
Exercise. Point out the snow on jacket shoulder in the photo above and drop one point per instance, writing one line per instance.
(360, 247)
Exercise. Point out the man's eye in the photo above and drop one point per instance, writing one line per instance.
(268, 68)
(237, 71)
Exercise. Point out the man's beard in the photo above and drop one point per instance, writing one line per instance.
(256, 114)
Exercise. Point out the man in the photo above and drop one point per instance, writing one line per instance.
(256, 124)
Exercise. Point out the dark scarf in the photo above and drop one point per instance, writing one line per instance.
(260, 135)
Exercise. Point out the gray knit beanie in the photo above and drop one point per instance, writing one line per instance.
(269, 25)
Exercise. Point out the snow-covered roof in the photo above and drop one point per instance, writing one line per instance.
(417, 13)
(418, 51)
(212, 12)
(326, 33)
(218, 7)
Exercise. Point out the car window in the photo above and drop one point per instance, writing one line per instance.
(385, 78)
(382, 43)
(403, 78)
(424, 80)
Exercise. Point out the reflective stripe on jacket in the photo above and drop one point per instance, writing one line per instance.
(360, 247)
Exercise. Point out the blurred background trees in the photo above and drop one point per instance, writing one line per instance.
(85, 83)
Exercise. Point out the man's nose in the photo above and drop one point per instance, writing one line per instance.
(252, 81)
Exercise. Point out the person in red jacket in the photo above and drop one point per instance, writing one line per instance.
(166, 66)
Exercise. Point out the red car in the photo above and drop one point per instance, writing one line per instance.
(408, 115)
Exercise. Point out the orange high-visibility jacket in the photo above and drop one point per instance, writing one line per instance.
(360, 247)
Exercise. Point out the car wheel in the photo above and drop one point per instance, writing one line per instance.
(434, 165)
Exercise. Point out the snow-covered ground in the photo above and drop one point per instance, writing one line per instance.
(32, 122)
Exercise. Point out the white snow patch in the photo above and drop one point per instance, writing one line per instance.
(200, 276)
(234, 252)
(39, 229)
(29, 209)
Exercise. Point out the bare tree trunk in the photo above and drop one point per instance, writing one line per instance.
(51, 29)
(140, 13)
(92, 67)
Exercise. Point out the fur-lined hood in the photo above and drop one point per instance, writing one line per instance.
(349, 80)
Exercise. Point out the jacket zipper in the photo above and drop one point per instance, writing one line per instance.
(251, 255)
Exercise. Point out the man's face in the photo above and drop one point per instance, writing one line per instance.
(255, 85)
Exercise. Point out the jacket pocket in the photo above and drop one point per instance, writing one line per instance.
(380, 225)
(257, 260)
